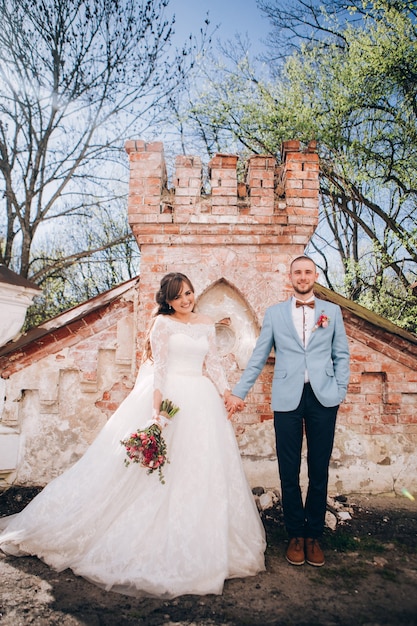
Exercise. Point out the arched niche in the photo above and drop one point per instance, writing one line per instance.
(236, 326)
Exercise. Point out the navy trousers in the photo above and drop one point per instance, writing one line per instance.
(318, 422)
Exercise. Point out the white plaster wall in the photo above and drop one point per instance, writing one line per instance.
(51, 407)
(373, 463)
(359, 464)
(14, 302)
(238, 333)
(55, 422)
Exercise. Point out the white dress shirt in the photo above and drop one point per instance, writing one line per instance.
(303, 318)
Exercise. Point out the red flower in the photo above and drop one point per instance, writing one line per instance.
(147, 446)
(322, 322)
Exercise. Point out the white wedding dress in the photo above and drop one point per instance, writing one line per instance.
(124, 530)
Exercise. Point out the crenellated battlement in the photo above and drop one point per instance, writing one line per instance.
(276, 201)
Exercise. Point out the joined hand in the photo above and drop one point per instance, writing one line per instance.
(233, 404)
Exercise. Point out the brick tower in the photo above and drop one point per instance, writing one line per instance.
(243, 234)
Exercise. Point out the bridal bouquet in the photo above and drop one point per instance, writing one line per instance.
(147, 446)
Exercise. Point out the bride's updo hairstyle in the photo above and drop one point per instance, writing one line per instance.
(170, 287)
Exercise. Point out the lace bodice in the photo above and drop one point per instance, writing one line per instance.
(188, 349)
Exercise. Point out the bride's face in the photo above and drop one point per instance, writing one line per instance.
(184, 301)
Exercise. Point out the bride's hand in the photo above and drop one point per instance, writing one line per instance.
(159, 419)
(230, 414)
(233, 403)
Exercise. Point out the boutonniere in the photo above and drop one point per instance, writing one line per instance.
(322, 322)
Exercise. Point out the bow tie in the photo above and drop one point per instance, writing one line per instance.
(299, 303)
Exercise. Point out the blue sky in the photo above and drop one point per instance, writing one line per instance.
(231, 16)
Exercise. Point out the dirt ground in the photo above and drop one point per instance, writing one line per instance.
(369, 579)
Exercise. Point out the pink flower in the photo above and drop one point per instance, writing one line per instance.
(147, 447)
(323, 322)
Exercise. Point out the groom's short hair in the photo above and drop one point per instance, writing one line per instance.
(303, 257)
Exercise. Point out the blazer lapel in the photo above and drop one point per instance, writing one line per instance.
(290, 322)
(319, 308)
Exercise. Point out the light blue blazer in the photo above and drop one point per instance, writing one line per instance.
(326, 358)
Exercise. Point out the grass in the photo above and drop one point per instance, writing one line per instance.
(388, 574)
(348, 575)
(344, 542)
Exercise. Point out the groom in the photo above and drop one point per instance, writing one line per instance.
(310, 381)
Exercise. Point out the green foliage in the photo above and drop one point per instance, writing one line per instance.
(377, 289)
(352, 86)
(394, 302)
(110, 257)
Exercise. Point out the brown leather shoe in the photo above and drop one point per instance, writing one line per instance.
(314, 554)
(295, 551)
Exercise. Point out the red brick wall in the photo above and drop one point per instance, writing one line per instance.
(243, 231)
(247, 232)
(382, 393)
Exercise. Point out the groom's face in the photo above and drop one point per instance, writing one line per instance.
(303, 275)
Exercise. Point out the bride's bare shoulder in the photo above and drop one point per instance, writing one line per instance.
(204, 319)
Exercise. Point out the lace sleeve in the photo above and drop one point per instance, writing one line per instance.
(213, 365)
(159, 345)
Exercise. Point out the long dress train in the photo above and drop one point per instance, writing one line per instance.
(124, 530)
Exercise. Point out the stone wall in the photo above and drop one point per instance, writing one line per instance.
(241, 237)
(242, 232)
(61, 382)
(235, 241)
(377, 424)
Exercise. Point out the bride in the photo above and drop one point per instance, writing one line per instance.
(125, 530)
